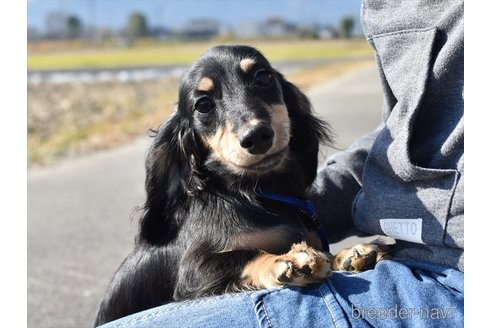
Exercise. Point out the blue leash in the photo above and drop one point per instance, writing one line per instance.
(305, 206)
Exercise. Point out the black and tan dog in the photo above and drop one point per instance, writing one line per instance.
(210, 225)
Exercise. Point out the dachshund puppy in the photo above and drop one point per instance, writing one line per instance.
(226, 182)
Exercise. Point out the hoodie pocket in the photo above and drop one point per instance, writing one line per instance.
(397, 193)
(406, 60)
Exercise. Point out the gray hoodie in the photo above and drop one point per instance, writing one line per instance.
(406, 179)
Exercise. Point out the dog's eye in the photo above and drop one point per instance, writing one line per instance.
(204, 105)
(263, 77)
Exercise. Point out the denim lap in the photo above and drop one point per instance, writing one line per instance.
(402, 294)
(394, 294)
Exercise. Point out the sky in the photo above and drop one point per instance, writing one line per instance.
(176, 13)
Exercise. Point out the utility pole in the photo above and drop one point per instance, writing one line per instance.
(92, 12)
(63, 21)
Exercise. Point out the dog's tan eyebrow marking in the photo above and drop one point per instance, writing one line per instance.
(254, 121)
(247, 64)
(206, 85)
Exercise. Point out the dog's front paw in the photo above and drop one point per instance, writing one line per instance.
(301, 266)
(360, 258)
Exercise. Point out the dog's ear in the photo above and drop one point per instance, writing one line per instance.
(171, 176)
(308, 131)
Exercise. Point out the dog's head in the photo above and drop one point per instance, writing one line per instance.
(235, 100)
(237, 118)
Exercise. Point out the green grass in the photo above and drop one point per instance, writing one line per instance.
(185, 53)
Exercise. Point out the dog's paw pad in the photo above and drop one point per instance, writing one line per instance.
(360, 258)
(302, 265)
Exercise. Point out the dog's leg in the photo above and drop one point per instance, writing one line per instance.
(239, 270)
(359, 258)
(144, 280)
(301, 266)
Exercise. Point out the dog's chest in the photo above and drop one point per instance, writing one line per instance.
(275, 240)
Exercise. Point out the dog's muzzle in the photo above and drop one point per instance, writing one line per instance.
(257, 139)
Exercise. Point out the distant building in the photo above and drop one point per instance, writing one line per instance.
(105, 33)
(277, 27)
(161, 33)
(201, 29)
(33, 33)
(327, 32)
(246, 30)
(55, 23)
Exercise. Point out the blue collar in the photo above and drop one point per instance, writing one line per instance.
(304, 205)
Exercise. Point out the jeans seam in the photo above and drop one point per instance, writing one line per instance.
(266, 314)
(326, 305)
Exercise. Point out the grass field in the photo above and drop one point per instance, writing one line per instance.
(75, 56)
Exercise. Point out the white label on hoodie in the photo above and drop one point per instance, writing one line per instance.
(403, 229)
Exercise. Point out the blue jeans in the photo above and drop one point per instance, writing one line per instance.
(394, 294)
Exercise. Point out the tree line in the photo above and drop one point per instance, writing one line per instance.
(59, 26)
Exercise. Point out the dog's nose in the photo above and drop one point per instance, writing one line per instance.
(257, 139)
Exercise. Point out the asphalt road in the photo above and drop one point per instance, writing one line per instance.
(79, 211)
